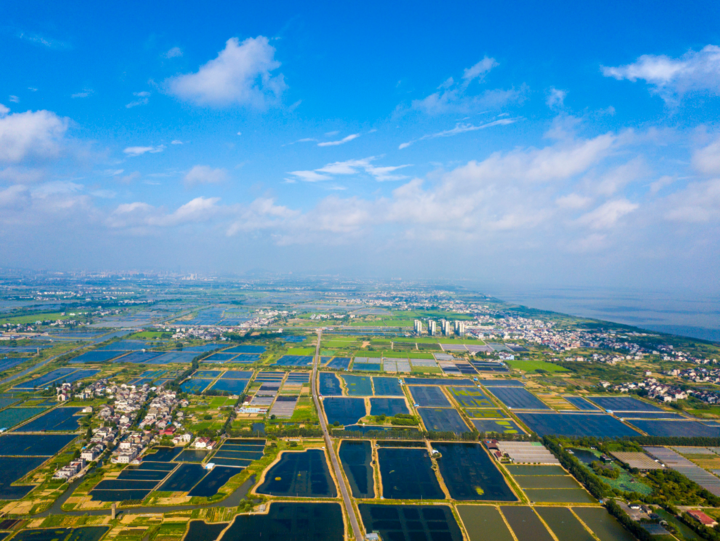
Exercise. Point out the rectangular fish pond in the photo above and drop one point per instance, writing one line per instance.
(343, 410)
(184, 478)
(58, 420)
(388, 406)
(329, 385)
(407, 474)
(409, 522)
(429, 396)
(299, 474)
(443, 420)
(356, 458)
(358, 385)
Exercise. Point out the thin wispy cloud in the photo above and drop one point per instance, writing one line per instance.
(86, 93)
(139, 151)
(339, 142)
(460, 128)
(350, 167)
(142, 99)
(42, 40)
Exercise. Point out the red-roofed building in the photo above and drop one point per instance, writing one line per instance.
(702, 518)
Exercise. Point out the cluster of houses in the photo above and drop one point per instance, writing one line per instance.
(71, 470)
(160, 410)
(662, 392)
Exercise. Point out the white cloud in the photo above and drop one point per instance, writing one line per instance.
(573, 201)
(707, 159)
(661, 183)
(27, 135)
(21, 175)
(699, 202)
(671, 78)
(3, 110)
(204, 174)
(138, 151)
(620, 176)
(14, 197)
(240, 75)
(143, 215)
(176, 142)
(14, 99)
(45, 41)
(608, 214)
(556, 98)
(350, 167)
(174, 52)
(84, 94)
(340, 142)
(460, 128)
(479, 70)
(261, 214)
(143, 99)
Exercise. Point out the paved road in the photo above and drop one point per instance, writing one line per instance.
(333, 455)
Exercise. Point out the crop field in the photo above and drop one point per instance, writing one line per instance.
(526, 524)
(484, 522)
(442, 420)
(605, 526)
(407, 474)
(299, 474)
(397, 522)
(536, 366)
(563, 523)
(470, 397)
(429, 396)
(575, 425)
(344, 411)
(518, 398)
(500, 426)
(470, 474)
(485, 413)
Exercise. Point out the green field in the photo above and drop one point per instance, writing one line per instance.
(536, 366)
(38, 317)
(301, 351)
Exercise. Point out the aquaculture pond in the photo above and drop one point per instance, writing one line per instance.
(14, 468)
(214, 481)
(598, 425)
(230, 386)
(163, 454)
(40, 382)
(678, 429)
(429, 396)
(90, 533)
(59, 420)
(184, 478)
(33, 444)
(343, 410)
(526, 524)
(199, 530)
(564, 524)
(580, 403)
(518, 398)
(191, 455)
(470, 397)
(605, 526)
(622, 403)
(470, 474)
(157, 466)
(329, 385)
(387, 386)
(388, 406)
(289, 522)
(237, 374)
(118, 495)
(13, 416)
(135, 474)
(442, 420)
(407, 474)
(246, 349)
(484, 523)
(356, 459)
(358, 385)
(124, 484)
(299, 474)
(195, 386)
(339, 363)
(497, 426)
(411, 523)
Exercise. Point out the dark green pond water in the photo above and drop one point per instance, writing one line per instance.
(303, 474)
(411, 523)
(407, 475)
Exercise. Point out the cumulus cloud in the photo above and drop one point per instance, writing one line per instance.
(204, 174)
(139, 151)
(671, 78)
(479, 70)
(261, 214)
(573, 201)
(460, 128)
(14, 197)
(31, 135)
(3, 110)
(241, 75)
(22, 175)
(143, 215)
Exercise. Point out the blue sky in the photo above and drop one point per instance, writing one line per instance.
(549, 143)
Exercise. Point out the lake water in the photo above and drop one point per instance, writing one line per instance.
(684, 313)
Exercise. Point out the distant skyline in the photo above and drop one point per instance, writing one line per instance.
(545, 145)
